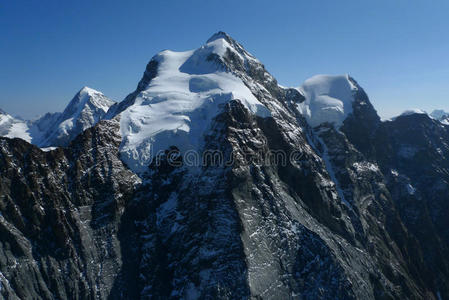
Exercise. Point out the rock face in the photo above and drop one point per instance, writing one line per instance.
(272, 208)
(60, 216)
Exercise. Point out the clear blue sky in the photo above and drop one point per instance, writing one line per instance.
(398, 50)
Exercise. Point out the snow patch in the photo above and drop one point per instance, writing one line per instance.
(11, 127)
(47, 149)
(412, 112)
(330, 170)
(328, 99)
(5, 118)
(19, 130)
(362, 167)
(394, 173)
(410, 189)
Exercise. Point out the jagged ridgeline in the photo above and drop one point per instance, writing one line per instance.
(352, 208)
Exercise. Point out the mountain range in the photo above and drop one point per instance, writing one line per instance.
(212, 181)
(59, 129)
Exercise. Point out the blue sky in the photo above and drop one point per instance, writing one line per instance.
(396, 49)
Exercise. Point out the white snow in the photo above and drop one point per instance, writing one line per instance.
(410, 112)
(410, 189)
(330, 170)
(365, 166)
(85, 110)
(395, 173)
(48, 149)
(328, 99)
(440, 115)
(5, 119)
(98, 99)
(179, 104)
(11, 127)
(413, 111)
(19, 130)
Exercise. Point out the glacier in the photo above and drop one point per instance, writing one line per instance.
(328, 99)
(177, 106)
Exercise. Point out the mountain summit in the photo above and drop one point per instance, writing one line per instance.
(59, 129)
(84, 110)
(178, 101)
(441, 116)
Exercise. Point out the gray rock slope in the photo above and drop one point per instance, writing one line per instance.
(355, 213)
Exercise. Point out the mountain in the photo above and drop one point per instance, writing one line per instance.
(84, 110)
(13, 127)
(184, 92)
(58, 129)
(441, 116)
(60, 216)
(211, 181)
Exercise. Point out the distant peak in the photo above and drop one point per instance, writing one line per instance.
(439, 114)
(89, 91)
(87, 96)
(220, 35)
(409, 112)
(2, 112)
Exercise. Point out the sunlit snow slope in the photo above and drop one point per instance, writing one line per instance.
(11, 127)
(177, 106)
(328, 99)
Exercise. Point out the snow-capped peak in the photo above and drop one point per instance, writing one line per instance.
(414, 111)
(58, 129)
(89, 91)
(219, 35)
(440, 115)
(178, 103)
(88, 96)
(329, 99)
(13, 127)
(84, 111)
(226, 42)
(409, 112)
